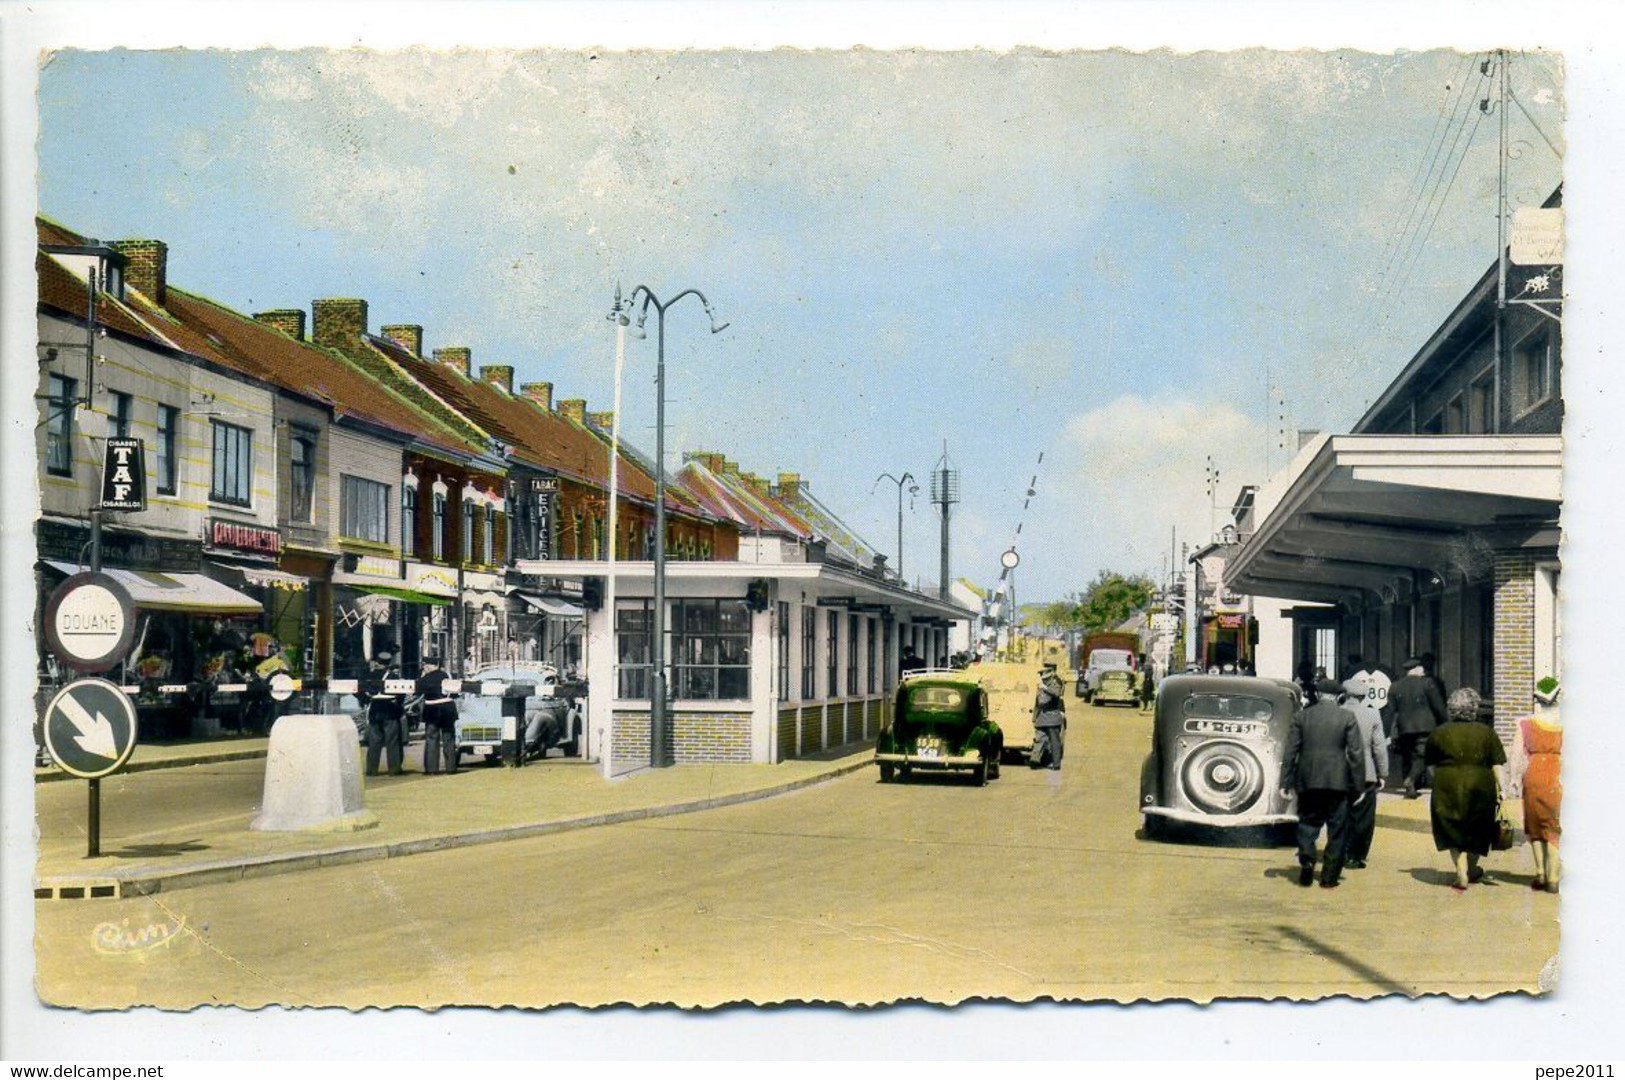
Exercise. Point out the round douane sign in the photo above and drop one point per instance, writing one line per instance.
(89, 622)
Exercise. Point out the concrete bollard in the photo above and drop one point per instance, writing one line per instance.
(313, 777)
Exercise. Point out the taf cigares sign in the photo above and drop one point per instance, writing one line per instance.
(124, 475)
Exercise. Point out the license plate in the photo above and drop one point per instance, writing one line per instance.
(1225, 727)
(928, 750)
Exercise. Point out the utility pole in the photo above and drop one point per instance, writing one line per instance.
(90, 395)
(1500, 235)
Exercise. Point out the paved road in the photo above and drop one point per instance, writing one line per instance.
(1035, 886)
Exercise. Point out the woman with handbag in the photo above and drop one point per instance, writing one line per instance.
(1537, 757)
(1468, 759)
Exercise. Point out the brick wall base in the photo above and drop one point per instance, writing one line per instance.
(697, 738)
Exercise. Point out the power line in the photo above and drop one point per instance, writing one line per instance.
(1401, 225)
(1532, 123)
(1407, 248)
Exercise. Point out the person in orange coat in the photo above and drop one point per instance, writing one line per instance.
(1537, 757)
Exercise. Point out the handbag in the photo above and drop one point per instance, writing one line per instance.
(1503, 831)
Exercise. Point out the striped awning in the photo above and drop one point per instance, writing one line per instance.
(152, 590)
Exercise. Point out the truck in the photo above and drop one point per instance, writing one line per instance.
(1112, 650)
(1012, 689)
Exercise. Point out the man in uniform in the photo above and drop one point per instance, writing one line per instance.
(1418, 709)
(1049, 719)
(386, 717)
(1324, 764)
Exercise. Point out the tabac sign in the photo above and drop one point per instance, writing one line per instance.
(124, 475)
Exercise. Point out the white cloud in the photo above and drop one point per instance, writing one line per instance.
(1134, 468)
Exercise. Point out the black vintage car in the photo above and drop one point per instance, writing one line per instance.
(940, 722)
(1216, 750)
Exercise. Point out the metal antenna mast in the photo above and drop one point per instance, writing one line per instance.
(944, 493)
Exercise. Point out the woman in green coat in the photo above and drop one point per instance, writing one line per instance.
(1467, 757)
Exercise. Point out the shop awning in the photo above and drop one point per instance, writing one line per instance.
(1363, 513)
(265, 576)
(406, 596)
(151, 590)
(551, 605)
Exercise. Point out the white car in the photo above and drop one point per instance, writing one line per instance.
(552, 711)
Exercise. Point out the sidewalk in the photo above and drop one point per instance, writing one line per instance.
(180, 827)
(176, 755)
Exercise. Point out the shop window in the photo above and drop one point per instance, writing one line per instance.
(490, 535)
(118, 416)
(711, 650)
(232, 476)
(809, 653)
(301, 474)
(364, 510)
(169, 430)
(59, 426)
(784, 650)
(1532, 364)
(409, 520)
(633, 651)
(832, 655)
(438, 537)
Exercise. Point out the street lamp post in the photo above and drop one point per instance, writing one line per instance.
(913, 490)
(660, 754)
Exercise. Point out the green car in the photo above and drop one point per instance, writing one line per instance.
(940, 722)
(1118, 687)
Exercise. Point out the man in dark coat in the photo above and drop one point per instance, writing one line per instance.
(1325, 765)
(1418, 709)
(386, 717)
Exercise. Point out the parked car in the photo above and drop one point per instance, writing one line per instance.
(552, 711)
(940, 722)
(1216, 749)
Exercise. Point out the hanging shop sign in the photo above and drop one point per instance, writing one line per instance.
(89, 622)
(240, 538)
(124, 475)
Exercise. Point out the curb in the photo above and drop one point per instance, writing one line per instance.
(69, 886)
(48, 776)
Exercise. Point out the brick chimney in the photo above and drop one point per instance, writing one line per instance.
(460, 357)
(728, 468)
(290, 321)
(146, 266)
(498, 375)
(407, 335)
(574, 409)
(789, 486)
(709, 458)
(539, 392)
(605, 420)
(757, 484)
(339, 322)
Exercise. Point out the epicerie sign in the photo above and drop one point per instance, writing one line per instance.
(236, 536)
(89, 622)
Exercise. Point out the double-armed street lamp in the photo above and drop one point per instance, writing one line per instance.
(913, 490)
(660, 749)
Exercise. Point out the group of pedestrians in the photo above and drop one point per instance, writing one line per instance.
(386, 718)
(1336, 761)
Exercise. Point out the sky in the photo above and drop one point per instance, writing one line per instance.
(1118, 261)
